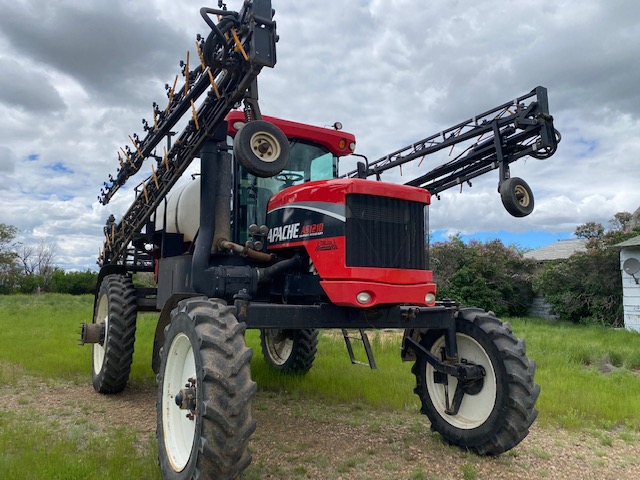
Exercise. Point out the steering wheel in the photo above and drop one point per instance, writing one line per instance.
(289, 178)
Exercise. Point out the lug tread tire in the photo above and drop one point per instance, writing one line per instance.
(120, 338)
(303, 353)
(514, 412)
(226, 421)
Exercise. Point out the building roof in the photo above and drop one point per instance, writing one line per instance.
(560, 250)
(632, 242)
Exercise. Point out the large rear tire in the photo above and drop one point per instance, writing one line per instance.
(496, 413)
(205, 367)
(290, 351)
(117, 311)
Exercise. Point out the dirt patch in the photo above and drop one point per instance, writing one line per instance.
(307, 439)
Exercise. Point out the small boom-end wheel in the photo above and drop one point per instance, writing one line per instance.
(289, 351)
(204, 418)
(516, 197)
(116, 313)
(495, 413)
(261, 148)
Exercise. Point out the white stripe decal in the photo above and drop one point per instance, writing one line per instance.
(328, 213)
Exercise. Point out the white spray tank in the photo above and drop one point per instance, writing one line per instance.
(182, 211)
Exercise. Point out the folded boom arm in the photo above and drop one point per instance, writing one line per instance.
(231, 57)
(494, 139)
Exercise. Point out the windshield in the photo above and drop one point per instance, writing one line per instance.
(307, 162)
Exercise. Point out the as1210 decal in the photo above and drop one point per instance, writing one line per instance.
(294, 231)
(305, 221)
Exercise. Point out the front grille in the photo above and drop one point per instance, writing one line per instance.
(385, 232)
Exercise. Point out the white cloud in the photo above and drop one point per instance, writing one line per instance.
(7, 162)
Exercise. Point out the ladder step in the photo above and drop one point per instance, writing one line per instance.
(365, 343)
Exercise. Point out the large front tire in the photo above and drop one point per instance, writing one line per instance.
(496, 414)
(205, 366)
(116, 311)
(290, 351)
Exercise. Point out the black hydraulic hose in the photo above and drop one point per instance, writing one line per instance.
(206, 11)
(269, 273)
(228, 20)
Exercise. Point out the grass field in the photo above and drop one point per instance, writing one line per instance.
(590, 378)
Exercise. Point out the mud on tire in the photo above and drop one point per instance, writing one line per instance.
(117, 309)
(497, 416)
(205, 348)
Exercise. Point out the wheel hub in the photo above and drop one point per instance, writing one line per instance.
(522, 196)
(265, 146)
(186, 398)
(92, 333)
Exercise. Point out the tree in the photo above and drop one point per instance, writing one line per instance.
(587, 287)
(8, 258)
(488, 275)
(7, 235)
(37, 264)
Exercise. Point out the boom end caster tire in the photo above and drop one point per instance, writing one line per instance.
(517, 197)
(496, 413)
(204, 418)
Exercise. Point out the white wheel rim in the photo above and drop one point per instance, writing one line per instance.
(179, 431)
(102, 316)
(279, 350)
(265, 146)
(475, 409)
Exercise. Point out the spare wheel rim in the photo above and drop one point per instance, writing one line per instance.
(265, 146)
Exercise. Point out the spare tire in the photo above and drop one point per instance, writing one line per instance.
(261, 148)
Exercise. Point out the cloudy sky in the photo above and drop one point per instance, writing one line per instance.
(77, 77)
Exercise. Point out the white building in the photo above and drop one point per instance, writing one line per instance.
(630, 268)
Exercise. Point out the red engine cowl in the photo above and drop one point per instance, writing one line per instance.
(366, 239)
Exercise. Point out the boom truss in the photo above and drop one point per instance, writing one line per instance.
(491, 140)
(231, 57)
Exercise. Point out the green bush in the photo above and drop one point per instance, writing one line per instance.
(487, 275)
(29, 283)
(75, 283)
(587, 287)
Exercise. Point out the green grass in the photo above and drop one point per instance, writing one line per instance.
(40, 334)
(334, 380)
(31, 448)
(571, 360)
